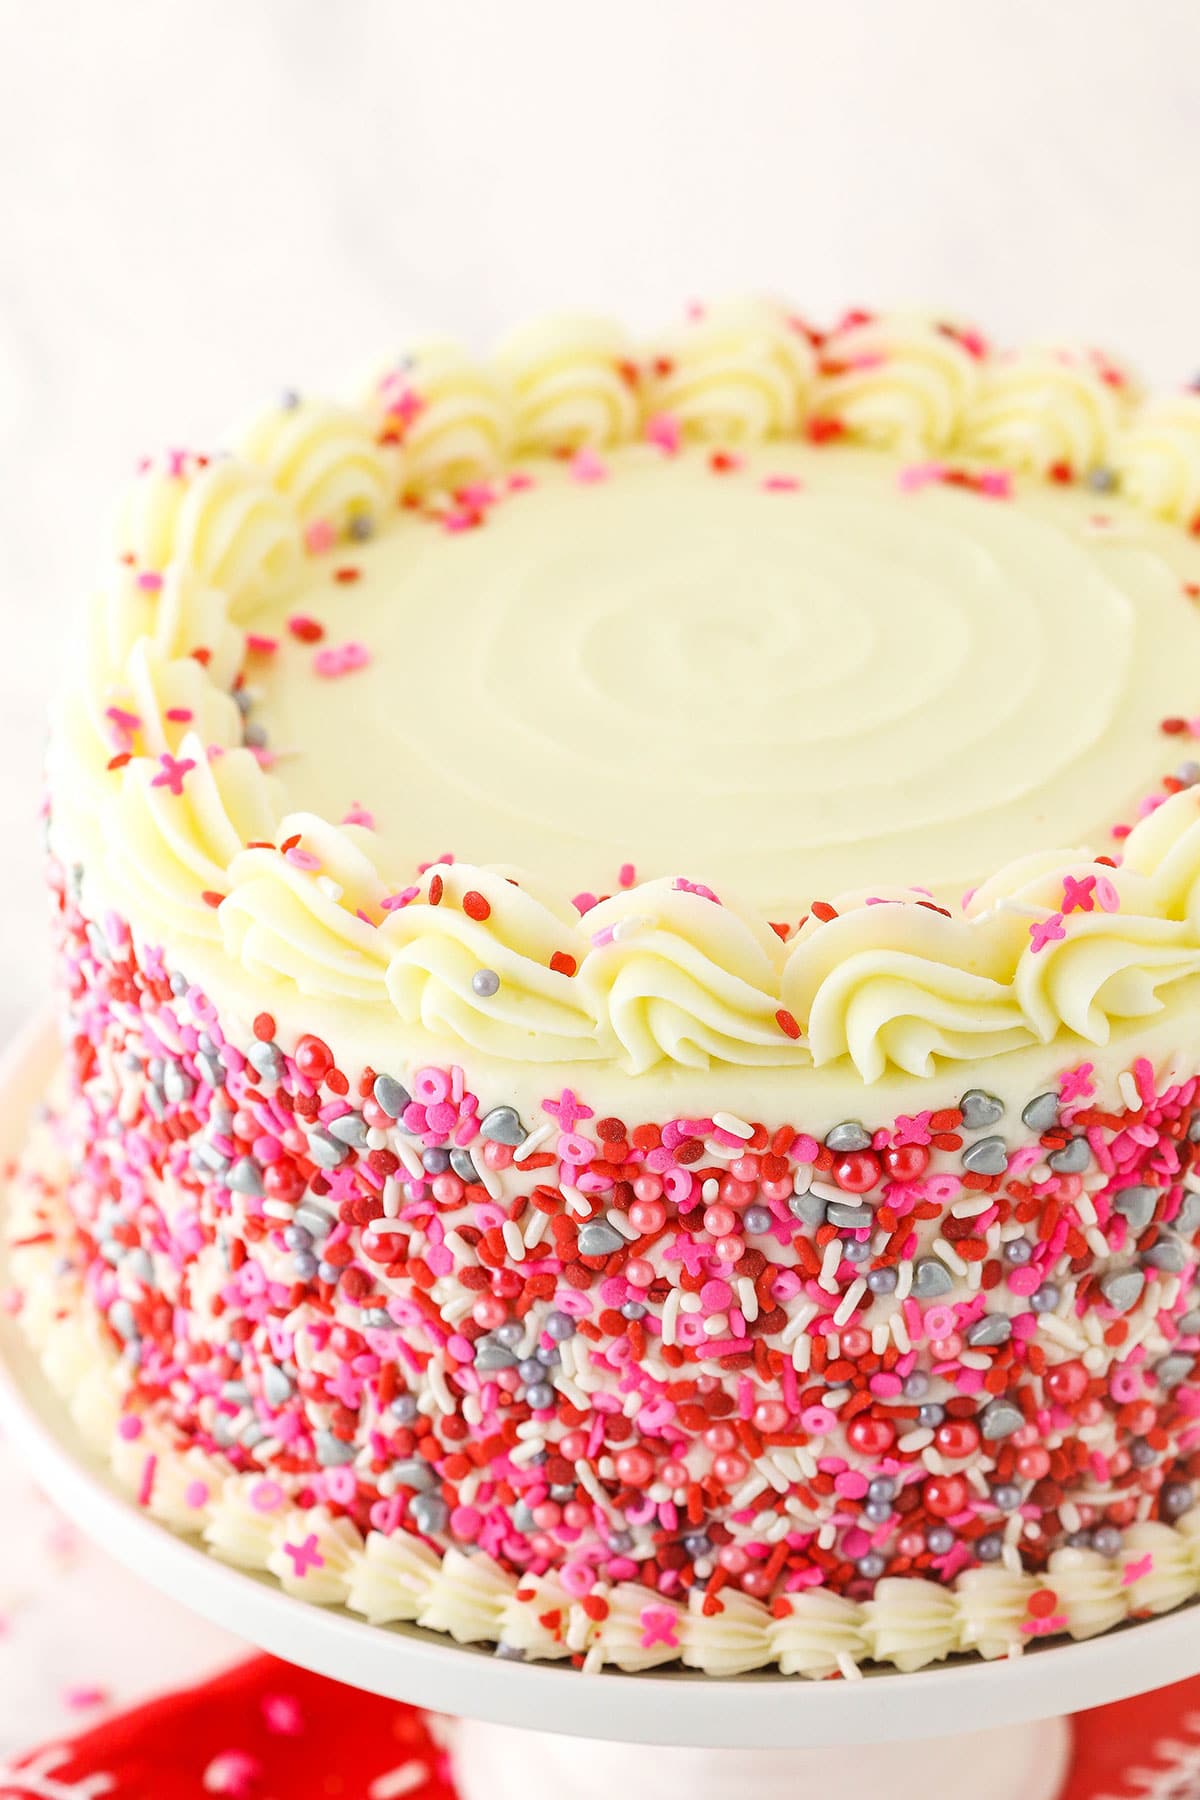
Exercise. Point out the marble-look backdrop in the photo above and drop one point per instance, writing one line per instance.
(203, 200)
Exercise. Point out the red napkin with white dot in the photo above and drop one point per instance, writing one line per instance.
(267, 1731)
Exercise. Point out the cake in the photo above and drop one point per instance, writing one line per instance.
(628, 937)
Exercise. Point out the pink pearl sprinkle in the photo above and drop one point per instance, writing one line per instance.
(130, 1428)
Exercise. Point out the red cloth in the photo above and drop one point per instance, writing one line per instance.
(267, 1731)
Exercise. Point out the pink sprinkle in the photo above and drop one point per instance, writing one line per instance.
(915, 476)
(260, 645)
(359, 815)
(319, 536)
(780, 484)
(146, 1485)
(997, 484)
(586, 466)
(195, 1494)
(180, 715)
(1046, 931)
(626, 875)
(1107, 896)
(663, 429)
(80, 1699)
(394, 902)
(149, 582)
(340, 659)
(301, 859)
(130, 1428)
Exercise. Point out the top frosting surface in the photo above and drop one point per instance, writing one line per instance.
(802, 676)
(720, 668)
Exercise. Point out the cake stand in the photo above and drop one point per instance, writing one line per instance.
(994, 1731)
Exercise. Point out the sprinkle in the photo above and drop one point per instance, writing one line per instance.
(1046, 931)
(172, 772)
(308, 631)
(664, 431)
(587, 466)
(341, 659)
(787, 1023)
(475, 906)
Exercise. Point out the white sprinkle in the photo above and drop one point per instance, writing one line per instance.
(621, 1223)
(829, 1265)
(749, 1490)
(459, 1248)
(710, 1189)
(801, 1178)
(747, 1298)
(391, 1198)
(537, 1137)
(1129, 1091)
(399, 1781)
(916, 1440)
(278, 1209)
(847, 1667)
(974, 1276)
(536, 1229)
(443, 1398)
(899, 1332)
(827, 1537)
(670, 1314)
(904, 1281)
(798, 1322)
(972, 1206)
(1097, 1243)
(730, 1122)
(1086, 1209)
(974, 1359)
(850, 1300)
(880, 1338)
(491, 1180)
(827, 1190)
(933, 1462)
(527, 1451)
(514, 1243)
(408, 1156)
(578, 1203)
(801, 1355)
(949, 1256)
(630, 927)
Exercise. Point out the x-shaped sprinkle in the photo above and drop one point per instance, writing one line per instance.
(568, 1109)
(1078, 895)
(1046, 931)
(172, 771)
(305, 1556)
(659, 1626)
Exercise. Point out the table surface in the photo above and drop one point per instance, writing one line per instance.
(225, 213)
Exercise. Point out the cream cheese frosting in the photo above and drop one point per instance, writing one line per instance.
(731, 626)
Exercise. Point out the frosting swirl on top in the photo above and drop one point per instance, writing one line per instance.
(572, 382)
(1046, 410)
(159, 788)
(451, 415)
(736, 373)
(899, 382)
(1159, 458)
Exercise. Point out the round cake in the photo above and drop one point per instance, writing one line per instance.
(628, 929)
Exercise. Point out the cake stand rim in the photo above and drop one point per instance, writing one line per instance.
(407, 1662)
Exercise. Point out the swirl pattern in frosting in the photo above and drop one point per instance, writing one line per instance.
(325, 461)
(1041, 410)
(737, 373)
(451, 415)
(572, 383)
(898, 382)
(1159, 458)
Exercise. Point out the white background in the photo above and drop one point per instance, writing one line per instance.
(202, 201)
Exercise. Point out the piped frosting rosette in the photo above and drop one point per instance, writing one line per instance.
(309, 914)
(895, 983)
(450, 413)
(1159, 459)
(471, 955)
(897, 382)
(676, 975)
(174, 829)
(572, 383)
(1043, 409)
(324, 459)
(221, 520)
(737, 373)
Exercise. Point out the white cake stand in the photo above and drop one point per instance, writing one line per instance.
(994, 1730)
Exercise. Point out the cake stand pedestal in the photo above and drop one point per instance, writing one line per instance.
(544, 1731)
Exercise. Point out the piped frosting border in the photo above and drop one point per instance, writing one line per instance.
(156, 787)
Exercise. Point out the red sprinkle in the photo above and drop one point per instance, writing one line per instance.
(562, 963)
(786, 1023)
(475, 906)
